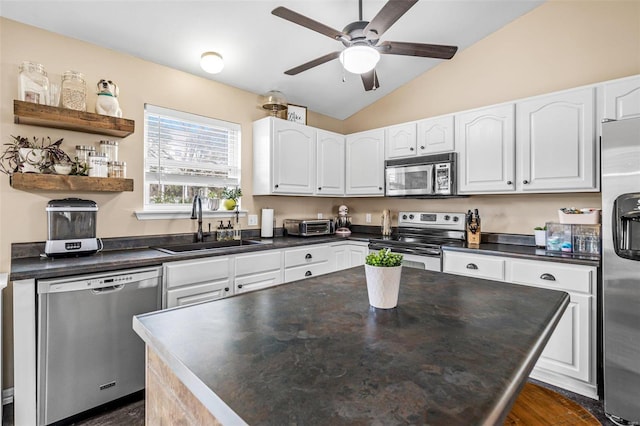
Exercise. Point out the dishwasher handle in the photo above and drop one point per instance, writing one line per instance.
(110, 289)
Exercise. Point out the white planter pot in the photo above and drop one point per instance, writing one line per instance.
(32, 158)
(541, 237)
(383, 285)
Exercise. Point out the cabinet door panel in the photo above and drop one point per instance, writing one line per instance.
(258, 281)
(294, 158)
(622, 99)
(486, 143)
(401, 140)
(307, 255)
(480, 266)
(258, 262)
(568, 351)
(331, 159)
(194, 271)
(556, 140)
(436, 135)
(203, 292)
(306, 271)
(365, 163)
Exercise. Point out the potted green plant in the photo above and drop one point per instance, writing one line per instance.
(231, 196)
(540, 233)
(24, 155)
(382, 271)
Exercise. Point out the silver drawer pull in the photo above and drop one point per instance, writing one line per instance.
(472, 266)
(547, 277)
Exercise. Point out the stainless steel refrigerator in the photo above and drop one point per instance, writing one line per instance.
(621, 268)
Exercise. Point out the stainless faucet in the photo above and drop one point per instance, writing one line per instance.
(197, 214)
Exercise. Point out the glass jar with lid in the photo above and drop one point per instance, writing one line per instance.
(74, 91)
(98, 164)
(33, 83)
(117, 169)
(82, 156)
(110, 149)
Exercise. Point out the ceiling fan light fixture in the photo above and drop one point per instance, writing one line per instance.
(359, 59)
(211, 62)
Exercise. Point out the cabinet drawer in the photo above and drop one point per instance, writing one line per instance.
(258, 262)
(472, 265)
(258, 281)
(194, 271)
(557, 276)
(188, 295)
(306, 255)
(306, 271)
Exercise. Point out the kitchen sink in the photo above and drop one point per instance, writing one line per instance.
(205, 246)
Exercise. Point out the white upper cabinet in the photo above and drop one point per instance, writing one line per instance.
(435, 135)
(284, 157)
(365, 163)
(486, 147)
(556, 142)
(401, 141)
(330, 162)
(622, 98)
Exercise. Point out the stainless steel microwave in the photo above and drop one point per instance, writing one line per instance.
(423, 176)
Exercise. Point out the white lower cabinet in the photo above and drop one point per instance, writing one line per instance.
(569, 359)
(348, 254)
(307, 261)
(256, 271)
(198, 280)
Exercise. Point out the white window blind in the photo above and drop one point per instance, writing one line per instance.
(186, 154)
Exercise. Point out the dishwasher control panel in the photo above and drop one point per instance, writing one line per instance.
(96, 281)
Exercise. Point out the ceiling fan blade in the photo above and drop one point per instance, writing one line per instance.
(370, 80)
(417, 49)
(309, 23)
(318, 61)
(388, 15)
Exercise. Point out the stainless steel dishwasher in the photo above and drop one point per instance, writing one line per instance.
(88, 353)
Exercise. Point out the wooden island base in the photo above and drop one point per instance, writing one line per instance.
(168, 401)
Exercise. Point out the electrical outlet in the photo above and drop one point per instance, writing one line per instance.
(367, 218)
(319, 215)
(253, 219)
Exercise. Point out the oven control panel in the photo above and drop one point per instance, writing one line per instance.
(432, 220)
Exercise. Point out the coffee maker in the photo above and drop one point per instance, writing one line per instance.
(343, 221)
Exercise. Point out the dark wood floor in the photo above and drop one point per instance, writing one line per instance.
(131, 412)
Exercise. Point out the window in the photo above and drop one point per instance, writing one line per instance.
(186, 154)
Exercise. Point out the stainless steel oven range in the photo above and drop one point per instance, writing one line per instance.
(420, 236)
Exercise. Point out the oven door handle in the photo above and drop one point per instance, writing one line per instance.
(407, 250)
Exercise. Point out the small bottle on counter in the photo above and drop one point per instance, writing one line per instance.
(220, 232)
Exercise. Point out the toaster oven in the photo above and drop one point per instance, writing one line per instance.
(308, 227)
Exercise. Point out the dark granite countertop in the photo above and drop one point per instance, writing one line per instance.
(33, 267)
(124, 253)
(455, 351)
(529, 252)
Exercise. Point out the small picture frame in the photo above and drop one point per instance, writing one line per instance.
(297, 114)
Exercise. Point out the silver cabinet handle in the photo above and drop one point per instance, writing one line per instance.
(308, 274)
(472, 266)
(308, 256)
(547, 277)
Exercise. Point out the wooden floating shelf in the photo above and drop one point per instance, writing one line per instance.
(50, 182)
(69, 119)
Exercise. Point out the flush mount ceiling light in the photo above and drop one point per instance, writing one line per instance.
(359, 59)
(211, 62)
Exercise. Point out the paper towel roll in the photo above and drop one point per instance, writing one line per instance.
(266, 230)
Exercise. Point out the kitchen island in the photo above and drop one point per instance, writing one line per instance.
(456, 350)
